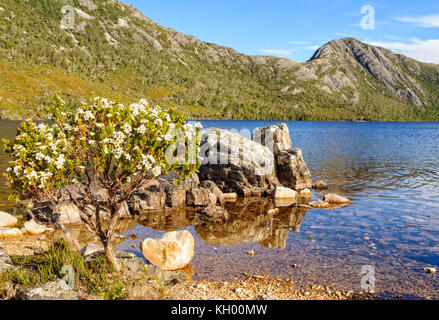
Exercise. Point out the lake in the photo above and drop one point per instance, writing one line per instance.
(389, 170)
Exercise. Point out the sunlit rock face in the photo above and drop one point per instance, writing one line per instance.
(235, 163)
(173, 251)
(291, 169)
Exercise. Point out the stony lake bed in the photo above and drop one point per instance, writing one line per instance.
(388, 170)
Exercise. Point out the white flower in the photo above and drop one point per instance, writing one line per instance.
(141, 129)
(158, 122)
(59, 163)
(156, 171)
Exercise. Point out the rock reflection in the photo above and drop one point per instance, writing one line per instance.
(249, 222)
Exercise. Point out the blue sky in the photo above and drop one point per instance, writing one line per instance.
(295, 28)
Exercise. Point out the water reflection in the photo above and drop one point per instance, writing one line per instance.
(249, 222)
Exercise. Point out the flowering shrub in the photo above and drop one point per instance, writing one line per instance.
(101, 145)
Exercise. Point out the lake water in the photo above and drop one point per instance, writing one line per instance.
(389, 170)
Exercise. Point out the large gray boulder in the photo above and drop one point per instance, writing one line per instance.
(291, 169)
(235, 163)
(276, 138)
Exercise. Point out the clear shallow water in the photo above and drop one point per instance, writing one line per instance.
(389, 170)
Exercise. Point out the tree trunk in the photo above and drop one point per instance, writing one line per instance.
(109, 252)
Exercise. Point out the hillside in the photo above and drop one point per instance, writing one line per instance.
(116, 51)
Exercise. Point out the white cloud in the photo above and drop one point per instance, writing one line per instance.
(312, 47)
(300, 43)
(428, 21)
(425, 51)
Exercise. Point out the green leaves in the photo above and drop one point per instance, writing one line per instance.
(106, 140)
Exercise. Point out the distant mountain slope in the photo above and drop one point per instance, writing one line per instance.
(115, 51)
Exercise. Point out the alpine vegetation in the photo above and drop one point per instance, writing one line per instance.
(98, 156)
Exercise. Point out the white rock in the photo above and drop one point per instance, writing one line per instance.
(33, 228)
(69, 214)
(7, 220)
(430, 270)
(10, 233)
(335, 199)
(284, 193)
(173, 251)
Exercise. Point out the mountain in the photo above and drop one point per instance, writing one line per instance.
(117, 52)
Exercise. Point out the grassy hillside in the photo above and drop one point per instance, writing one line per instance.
(115, 51)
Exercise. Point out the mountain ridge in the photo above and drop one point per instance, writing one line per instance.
(116, 51)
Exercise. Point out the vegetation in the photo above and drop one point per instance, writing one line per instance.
(116, 52)
(107, 151)
(96, 277)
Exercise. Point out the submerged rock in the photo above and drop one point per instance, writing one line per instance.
(235, 163)
(173, 251)
(7, 220)
(430, 270)
(332, 198)
(215, 212)
(320, 185)
(320, 204)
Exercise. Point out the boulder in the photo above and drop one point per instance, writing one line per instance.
(305, 193)
(176, 194)
(173, 251)
(284, 193)
(276, 138)
(210, 185)
(215, 213)
(201, 197)
(320, 204)
(70, 214)
(33, 228)
(292, 170)
(10, 233)
(149, 198)
(320, 185)
(332, 198)
(234, 162)
(54, 290)
(7, 220)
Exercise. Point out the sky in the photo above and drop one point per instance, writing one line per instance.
(296, 28)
